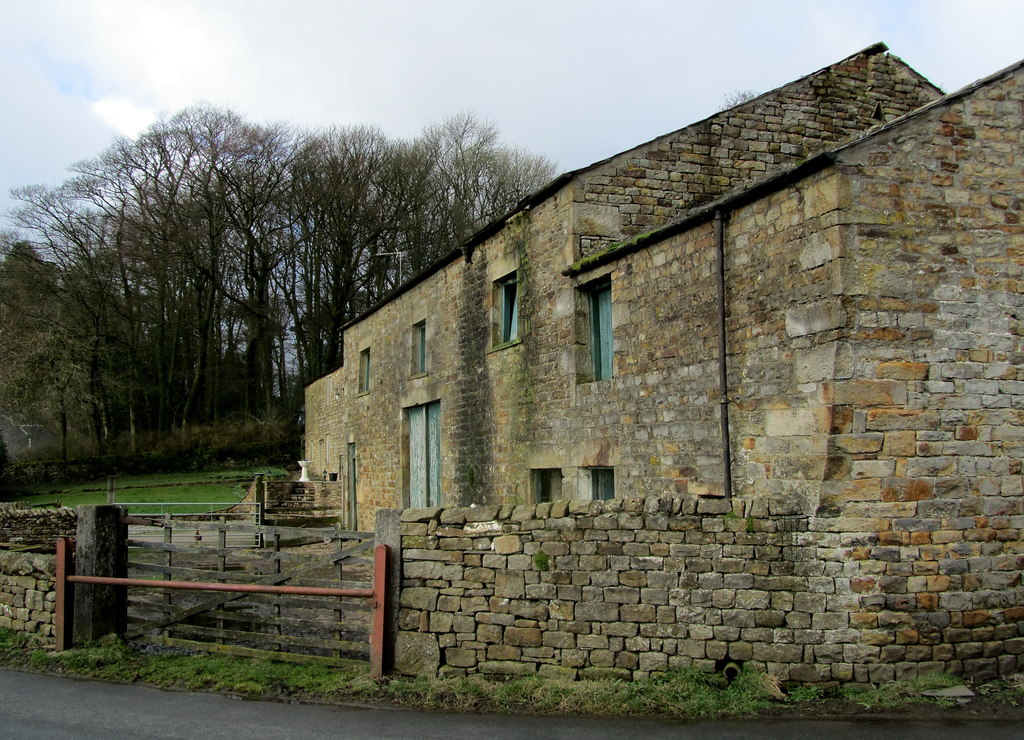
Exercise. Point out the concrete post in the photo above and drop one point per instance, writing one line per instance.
(101, 549)
(388, 531)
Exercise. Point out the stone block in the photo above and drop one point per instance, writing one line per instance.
(815, 317)
(428, 514)
(856, 444)
(460, 657)
(506, 668)
(891, 419)
(510, 585)
(596, 611)
(507, 544)
(419, 598)
(621, 595)
(417, 654)
(902, 370)
(815, 364)
(869, 393)
(792, 422)
(523, 636)
(481, 513)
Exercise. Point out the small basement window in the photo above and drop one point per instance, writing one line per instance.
(602, 484)
(547, 485)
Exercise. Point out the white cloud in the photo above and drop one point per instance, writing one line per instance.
(128, 118)
(576, 80)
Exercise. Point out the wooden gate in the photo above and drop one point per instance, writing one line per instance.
(281, 626)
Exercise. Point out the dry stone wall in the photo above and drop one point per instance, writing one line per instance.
(27, 597)
(36, 527)
(631, 588)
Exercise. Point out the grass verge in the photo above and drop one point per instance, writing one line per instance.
(219, 486)
(676, 695)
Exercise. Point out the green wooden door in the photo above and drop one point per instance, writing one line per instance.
(425, 455)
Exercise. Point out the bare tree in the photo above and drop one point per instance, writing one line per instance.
(205, 269)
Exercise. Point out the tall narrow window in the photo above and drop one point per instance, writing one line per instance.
(419, 348)
(353, 484)
(602, 484)
(508, 295)
(600, 300)
(364, 370)
(547, 485)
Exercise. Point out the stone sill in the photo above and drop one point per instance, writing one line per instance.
(505, 345)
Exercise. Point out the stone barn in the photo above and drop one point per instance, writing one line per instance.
(808, 307)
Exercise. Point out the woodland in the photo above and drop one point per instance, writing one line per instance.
(200, 274)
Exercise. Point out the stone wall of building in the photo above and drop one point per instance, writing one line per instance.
(647, 187)
(873, 338)
(631, 588)
(482, 384)
(27, 598)
(39, 528)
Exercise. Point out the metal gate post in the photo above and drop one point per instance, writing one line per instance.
(63, 617)
(380, 593)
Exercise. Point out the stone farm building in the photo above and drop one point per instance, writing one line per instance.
(858, 233)
(805, 313)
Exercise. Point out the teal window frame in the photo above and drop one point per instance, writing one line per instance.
(508, 295)
(547, 485)
(599, 298)
(602, 484)
(419, 340)
(364, 371)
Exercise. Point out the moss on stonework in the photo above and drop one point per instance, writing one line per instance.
(522, 407)
(597, 257)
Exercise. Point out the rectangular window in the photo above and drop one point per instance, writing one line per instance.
(419, 348)
(508, 297)
(602, 484)
(353, 485)
(547, 485)
(364, 370)
(328, 452)
(599, 298)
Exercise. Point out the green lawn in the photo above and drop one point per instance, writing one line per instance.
(217, 487)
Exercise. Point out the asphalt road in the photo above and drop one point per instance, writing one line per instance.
(36, 706)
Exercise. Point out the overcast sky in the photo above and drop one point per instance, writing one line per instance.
(575, 80)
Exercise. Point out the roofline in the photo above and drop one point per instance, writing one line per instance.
(702, 214)
(539, 196)
(772, 183)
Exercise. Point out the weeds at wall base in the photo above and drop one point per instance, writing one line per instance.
(678, 695)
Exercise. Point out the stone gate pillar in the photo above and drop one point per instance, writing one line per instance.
(101, 549)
